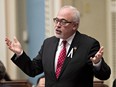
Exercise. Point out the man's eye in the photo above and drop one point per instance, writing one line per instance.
(63, 21)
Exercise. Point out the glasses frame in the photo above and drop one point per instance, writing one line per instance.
(63, 22)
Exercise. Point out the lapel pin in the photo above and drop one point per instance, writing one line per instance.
(74, 49)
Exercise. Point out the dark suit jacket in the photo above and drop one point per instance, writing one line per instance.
(77, 71)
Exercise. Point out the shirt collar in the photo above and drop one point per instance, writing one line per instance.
(69, 40)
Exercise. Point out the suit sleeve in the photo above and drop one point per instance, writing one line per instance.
(28, 66)
(104, 70)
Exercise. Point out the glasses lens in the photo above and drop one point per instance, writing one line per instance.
(61, 21)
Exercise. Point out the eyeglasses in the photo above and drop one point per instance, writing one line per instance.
(63, 22)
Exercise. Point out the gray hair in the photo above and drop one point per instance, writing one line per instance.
(76, 13)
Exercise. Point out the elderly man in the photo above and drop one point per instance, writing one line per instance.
(68, 59)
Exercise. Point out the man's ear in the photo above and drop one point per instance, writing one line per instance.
(75, 26)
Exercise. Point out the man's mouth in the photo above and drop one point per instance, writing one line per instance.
(58, 31)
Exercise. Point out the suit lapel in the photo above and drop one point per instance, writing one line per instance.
(75, 42)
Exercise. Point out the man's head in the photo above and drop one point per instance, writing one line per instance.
(66, 22)
(2, 70)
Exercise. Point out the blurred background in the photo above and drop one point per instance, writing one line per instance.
(31, 22)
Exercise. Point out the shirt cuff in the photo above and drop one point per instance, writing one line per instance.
(17, 55)
(97, 66)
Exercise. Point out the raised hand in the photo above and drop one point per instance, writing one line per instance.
(14, 45)
(97, 56)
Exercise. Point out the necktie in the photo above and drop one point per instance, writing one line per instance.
(61, 59)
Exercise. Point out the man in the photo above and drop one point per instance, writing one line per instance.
(68, 59)
(41, 82)
(2, 71)
(3, 74)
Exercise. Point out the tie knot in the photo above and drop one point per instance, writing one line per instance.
(64, 42)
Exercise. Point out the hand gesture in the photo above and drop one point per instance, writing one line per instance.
(14, 45)
(97, 56)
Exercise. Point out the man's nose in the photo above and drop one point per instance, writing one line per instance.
(58, 23)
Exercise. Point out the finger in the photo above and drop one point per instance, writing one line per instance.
(92, 59)
(6, 39)
(99, 52)
(15, 40)
(99, 55)
(8, 42)
(101, 49)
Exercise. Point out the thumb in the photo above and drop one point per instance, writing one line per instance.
(101, 49)
(91, 58)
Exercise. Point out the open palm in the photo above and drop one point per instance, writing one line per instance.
(14, 45)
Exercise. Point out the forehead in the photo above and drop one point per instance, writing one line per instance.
(65, 13)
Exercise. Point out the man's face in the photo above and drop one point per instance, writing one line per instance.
(64, 24)
(41, 83)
